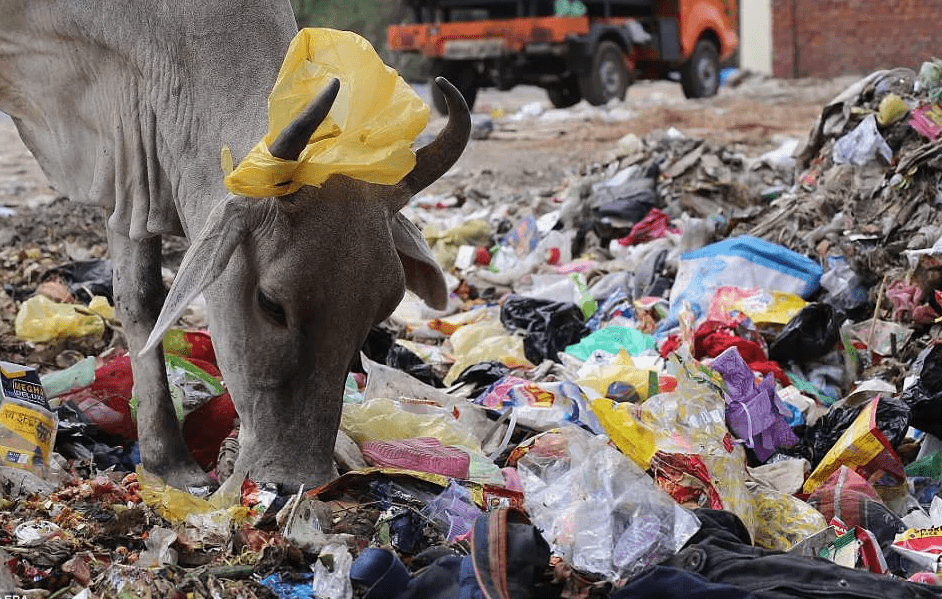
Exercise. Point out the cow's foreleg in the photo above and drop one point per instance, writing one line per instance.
(139, 295)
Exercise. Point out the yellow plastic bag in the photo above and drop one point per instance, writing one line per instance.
(176, 506)
(786, 520)
(484, 341)
(634, 438)
(596, 380)
(390, 420)
(367, 135)
(41, 319)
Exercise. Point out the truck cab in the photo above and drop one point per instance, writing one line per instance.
(573, 49)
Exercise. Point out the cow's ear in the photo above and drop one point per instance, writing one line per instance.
(226, 227)
(424, 276)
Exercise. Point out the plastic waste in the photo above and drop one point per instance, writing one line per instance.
(86, 279)
(483, 342)
(40, 319)
(924, 394)
(812, 333)
(745, 262)
(891, 109)
(654, 225)
(27, 423)
(482, 376)
(367, 135)
(618, 378)
(79, 375)
(845, 290)
(696, 457)
(786, 520)
(862, 146)
(549, 327)
(454, 510)
(761, 306)
(612, 340)
(384, 382)
(622, 423)
(754, 412)
(540, 405)
(409, 362)
(862, 446)
(847, 495)
(157, 551)
(331, 573)
(389, 420)
(598, 510)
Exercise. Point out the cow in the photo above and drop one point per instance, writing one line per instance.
(126, 105)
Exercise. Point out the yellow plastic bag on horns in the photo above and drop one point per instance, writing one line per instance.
(367, 135)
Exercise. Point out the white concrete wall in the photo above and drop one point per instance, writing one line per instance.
(755, 41)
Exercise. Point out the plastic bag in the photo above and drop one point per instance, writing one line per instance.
(409, 362)
(40, 319)
(761, 306)
(848, 496)
(745, 262)
(812, 333)
(549, 326)
(367, 134)
(786, 520)
(862, 145)
(754, 412)
(484, 342)
(389, 420)
(541, 406)
(598, 510)
(693, 442)
(862, 447)
(924, 397)
(616, 377)
(612, 339)
(86, 278)
(634, 438)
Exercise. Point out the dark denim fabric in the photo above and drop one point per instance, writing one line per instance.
(661, 582)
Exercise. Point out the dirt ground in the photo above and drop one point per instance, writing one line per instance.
(532, 149)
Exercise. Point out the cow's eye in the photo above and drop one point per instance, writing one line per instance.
(272, 308)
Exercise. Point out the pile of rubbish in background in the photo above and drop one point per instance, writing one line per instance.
(692, 370)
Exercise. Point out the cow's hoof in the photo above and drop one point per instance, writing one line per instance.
(195, 482)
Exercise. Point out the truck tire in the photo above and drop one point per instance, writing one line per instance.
(700, 76)
(564, 94)
(462, 76)
(608, 77)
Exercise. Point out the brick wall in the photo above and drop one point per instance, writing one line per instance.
(822, 38)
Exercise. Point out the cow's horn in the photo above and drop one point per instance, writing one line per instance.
(292, 139)
(434, 160)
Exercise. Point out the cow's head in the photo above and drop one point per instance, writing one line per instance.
(293, 285)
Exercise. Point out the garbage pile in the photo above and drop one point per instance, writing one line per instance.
(691, 370)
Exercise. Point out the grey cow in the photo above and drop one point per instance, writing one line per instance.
(126, 105)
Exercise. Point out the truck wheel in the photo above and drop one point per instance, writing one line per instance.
(608, 77)
(462, 77)
(700, 76)
(564, 94)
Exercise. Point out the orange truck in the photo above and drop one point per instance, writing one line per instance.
(573, 49)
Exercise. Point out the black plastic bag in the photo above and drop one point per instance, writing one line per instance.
(549, 326)
(86, 278)
(810, 334)
(924, 398)
(409, 362)
(482, 375)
